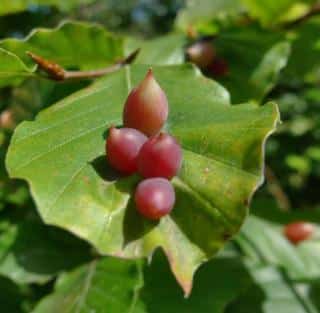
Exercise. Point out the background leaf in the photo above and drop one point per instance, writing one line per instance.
(63, 45)
(12, 69)
(130, 287)
(108, 284)
(253, 71)
(165, 50)
(9, 7)
(33, 253)
(198, 12)
(262, 237)
(12, 297)
(267, 12)
(270, 292)
(272, 12)
(305, 46)
(226, 284)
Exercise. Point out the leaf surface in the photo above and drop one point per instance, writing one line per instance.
(255, 58)
(271, 291)
(73, 45)
(74, 188)
(111, 285)
(33, 253)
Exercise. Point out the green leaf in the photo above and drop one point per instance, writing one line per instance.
(111, 285)
(165, 50)
(198, 12)
(265, 76)
(108, 284)
(12, 69)
(33, 253)
(224, 285)
(253, 71)
(262, 238)
(268, 12)
(9, 6)
(72, 45)
(310, 294)
(305, 46)
(273, 12)
(271, 292)
(65, 46)
(11, 296)
(216, 284)
(223, 158)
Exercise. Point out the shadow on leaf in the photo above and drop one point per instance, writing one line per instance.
(135, 226)
(215, 284)
(104, 170)
(196, 224)
(42, 251)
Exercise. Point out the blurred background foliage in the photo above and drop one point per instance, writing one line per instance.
(243, 32)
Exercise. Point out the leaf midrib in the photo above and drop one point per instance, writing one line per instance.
(86, 287)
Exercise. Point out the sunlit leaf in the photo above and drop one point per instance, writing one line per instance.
(223, 158)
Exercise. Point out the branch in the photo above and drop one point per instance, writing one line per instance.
(276, 190)
(58, 73)
(315, 10)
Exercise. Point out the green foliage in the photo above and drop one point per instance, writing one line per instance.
(12, 296)
(199, 12)
(133, 287)
(272, 53)
(165, 50)
(32, 254)
(9, 7)
(268, 12)
(262, 239)
(63, 45)
(306, 47)
(271, 291)
(12, 69)
(252, 72)
(272, 12)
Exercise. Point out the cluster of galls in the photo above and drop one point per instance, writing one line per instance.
(204, 55)
(140, 147)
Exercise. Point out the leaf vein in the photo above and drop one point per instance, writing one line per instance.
(87, 283)
(59, 146)
(65, 187)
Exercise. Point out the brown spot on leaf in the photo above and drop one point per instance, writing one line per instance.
(86, 180)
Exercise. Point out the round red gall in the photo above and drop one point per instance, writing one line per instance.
(154, 198)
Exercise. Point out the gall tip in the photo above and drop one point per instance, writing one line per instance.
(149, 73)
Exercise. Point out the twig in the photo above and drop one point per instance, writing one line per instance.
(276, 190)
(315, 10)
(57, 72)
